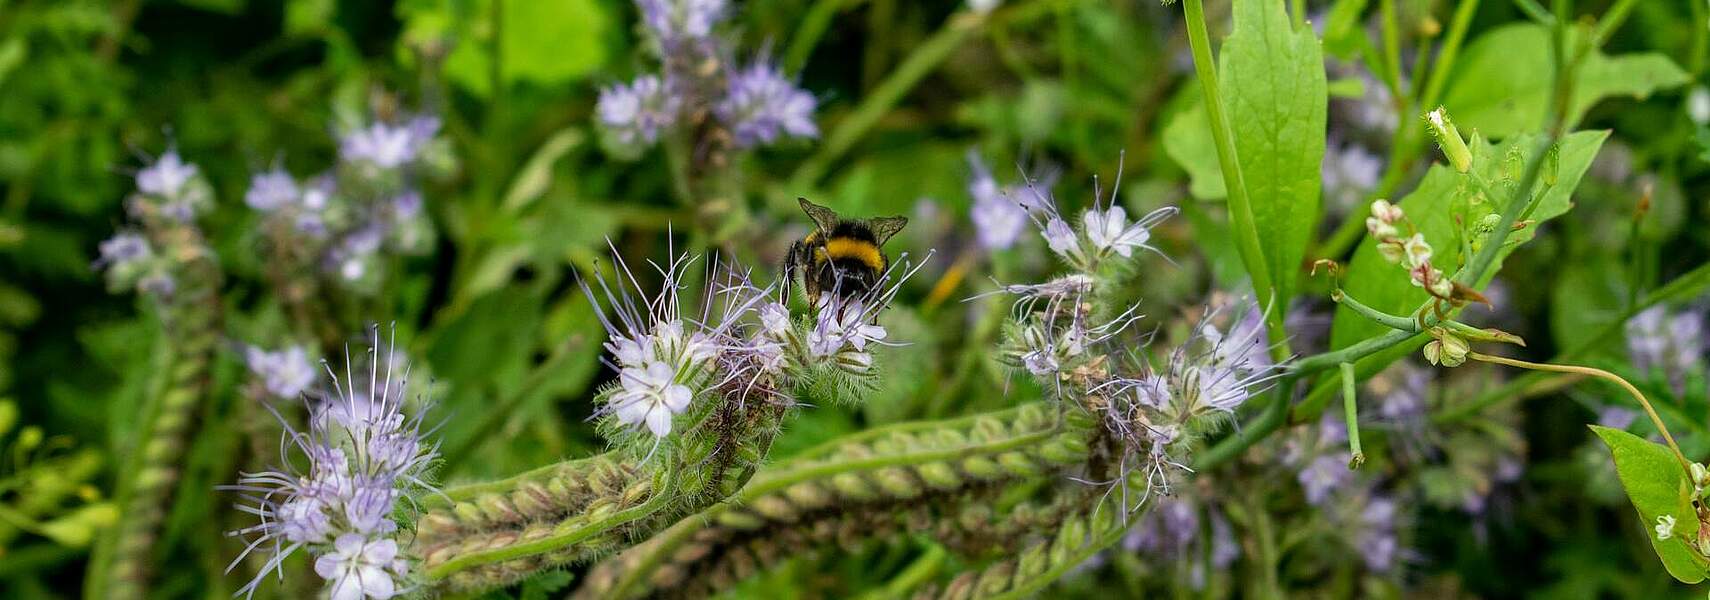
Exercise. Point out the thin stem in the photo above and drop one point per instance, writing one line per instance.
(1685, 285)
(1397, 322)
(1240, 206)
(1601, 374)
(1451, 50)
(1351, 414)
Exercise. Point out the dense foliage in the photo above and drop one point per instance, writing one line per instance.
(613, 298)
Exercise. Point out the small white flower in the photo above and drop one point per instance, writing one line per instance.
(1417, 250)
(651, 395)
(358, 568)
(775, 320)
(983, 7)
(1665, 527)
(1061, 238)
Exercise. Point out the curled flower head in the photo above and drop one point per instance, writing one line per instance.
(633, 115)
(340, 483)
(284, 373)
(761, 105)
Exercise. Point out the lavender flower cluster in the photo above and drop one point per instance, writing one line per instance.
(169, 192)
(756, 103)
(343, 220)
(366, 460)
(1673, 345)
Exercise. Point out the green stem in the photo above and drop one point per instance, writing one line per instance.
(1351, 414)
(1686, 285)
(1685, 465)
(1240, 206)
(1450, 51)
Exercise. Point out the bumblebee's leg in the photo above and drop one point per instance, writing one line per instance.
(791, 266)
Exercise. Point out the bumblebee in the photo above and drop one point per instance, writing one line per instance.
(842, 256)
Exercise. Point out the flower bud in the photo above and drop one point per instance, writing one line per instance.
(1665, 527)
(1449, 139)
(1448, 349)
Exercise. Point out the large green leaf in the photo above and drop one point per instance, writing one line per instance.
(1658, 486)
(1503, 82)
(1273, 76)
(1444, 200)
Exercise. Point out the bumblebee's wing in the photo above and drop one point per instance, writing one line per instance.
(824, 217)
(885, 227)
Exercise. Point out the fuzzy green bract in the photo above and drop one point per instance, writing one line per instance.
(1441, 207)
(1503, 83)
(1657, 486)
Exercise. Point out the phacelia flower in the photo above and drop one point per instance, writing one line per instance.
(761, 105)
(1217, 372)
(634, 114)
(359, 460)
(284, 373)
(1324, 475)
(1349, 172)
(1109, 230)
(360, 567)
(998, 220)
(675, 22)
(663, 358)
(271, 191)
(124, 248)
(167, 177)
(388, 146)
(1673, 344)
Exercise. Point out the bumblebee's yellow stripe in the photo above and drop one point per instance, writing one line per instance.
(845, 248)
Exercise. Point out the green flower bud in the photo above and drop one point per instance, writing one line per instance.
(1449, 139)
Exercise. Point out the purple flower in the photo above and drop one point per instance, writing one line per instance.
(635, 114)
(998, 219)
(674, 22)
(363, 457)
(166, 177)
(1349, 172)
(761, 105)
(284, 373)
(271, 191)
(388, 146)
(1324, 475)
(1616, 417)
(1673, 344)
(124, 249)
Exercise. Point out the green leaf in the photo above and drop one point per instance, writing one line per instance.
(1273, 75)
(1187, 140)
(1503, 81)
(1444, 200)
(1657, 486)
(544, 42)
